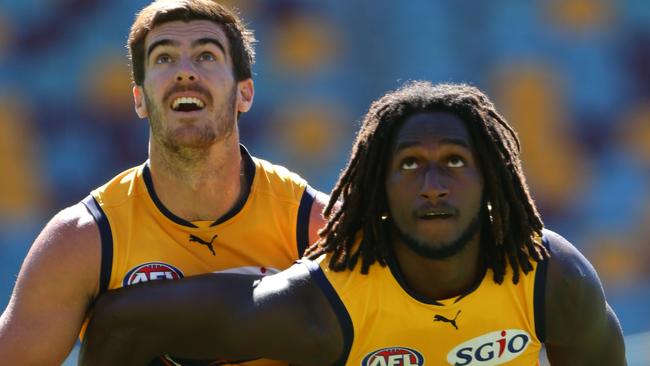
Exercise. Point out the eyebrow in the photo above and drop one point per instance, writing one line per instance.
(445, 141)
(198, 42)
(208, 40)
(161, 42)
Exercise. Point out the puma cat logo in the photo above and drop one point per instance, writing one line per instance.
(196, 239)
(440, 318)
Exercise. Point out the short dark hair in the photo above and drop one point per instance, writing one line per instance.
(511, 230)
(241, 38)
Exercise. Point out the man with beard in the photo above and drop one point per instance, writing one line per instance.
(200, 204)
(436, 254)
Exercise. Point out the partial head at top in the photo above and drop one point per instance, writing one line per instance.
(241, 38)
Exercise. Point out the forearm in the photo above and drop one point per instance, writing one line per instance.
(119, 347)
(119, 334)
(214, 316)
(131, 326)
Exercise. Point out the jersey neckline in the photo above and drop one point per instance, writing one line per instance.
(249, 169)
(397, 274)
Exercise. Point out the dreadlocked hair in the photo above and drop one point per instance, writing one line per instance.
(358, 203)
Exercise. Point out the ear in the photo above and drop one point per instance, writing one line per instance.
(140, 102)
(245, 94)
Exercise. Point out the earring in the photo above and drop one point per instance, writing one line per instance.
(488, 205)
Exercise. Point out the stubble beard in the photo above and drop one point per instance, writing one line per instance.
(182, 151)
(440, 250)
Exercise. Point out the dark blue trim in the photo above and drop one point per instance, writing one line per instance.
(148, 181)
(396, 271)
(399, 277)
(337, 305)
(302, 226)
(106, 241)
(249, 172)
(539, 296)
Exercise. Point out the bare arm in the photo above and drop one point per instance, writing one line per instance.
(316, 219)
(215, 316)
(582, 327)
(57, 282)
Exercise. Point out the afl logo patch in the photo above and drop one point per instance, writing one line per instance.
(393, 356)
(152, 271)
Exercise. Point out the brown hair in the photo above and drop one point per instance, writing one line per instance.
(514, 226)
(162, 11)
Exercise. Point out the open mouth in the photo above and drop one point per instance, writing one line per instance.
(187, 104)
(435, 215)
(435, 212)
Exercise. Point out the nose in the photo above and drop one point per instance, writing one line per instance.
(434, 184)
(186, 72)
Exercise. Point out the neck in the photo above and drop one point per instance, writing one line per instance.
(198, 184)
(439, 279)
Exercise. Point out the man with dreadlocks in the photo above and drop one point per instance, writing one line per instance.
(455, 265)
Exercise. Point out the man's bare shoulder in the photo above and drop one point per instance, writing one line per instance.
(74, 228)
(568, 269)
(316, 219)
(581, 326)
(56, 284)
(70, 240)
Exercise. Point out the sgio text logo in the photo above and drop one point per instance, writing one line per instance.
(490, 349)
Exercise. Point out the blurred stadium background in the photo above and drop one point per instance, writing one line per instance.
(573, 76)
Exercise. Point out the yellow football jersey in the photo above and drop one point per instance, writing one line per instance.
(386, 324)
(143, 241)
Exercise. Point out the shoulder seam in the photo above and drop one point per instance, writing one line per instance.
(106, 239)
(303, 219)
(539, 295)
(345, 322)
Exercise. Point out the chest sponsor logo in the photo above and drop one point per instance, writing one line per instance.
(493, 348)
(152, 271)
(393, 356)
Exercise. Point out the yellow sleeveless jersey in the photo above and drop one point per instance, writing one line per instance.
(386, 324)
(143, 241)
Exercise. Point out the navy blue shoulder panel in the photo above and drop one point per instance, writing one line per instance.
(106, 240)
(302, 227)
(337, 305)
(539, 295)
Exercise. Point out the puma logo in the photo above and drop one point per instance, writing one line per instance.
(196, 239)
(440, 318)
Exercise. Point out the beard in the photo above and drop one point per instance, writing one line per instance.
(440, 250)
(191, 140)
